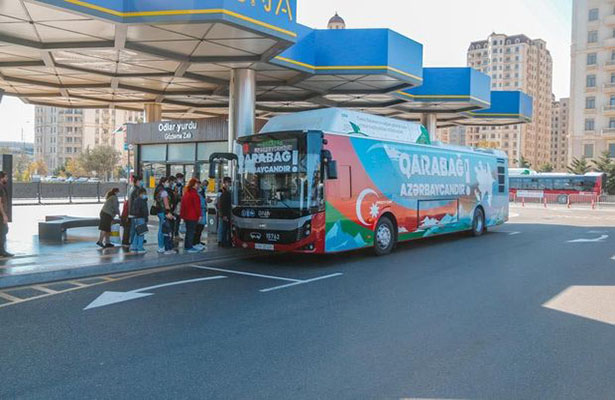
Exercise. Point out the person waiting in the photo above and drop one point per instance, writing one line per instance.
(140, 215)
(110, 209)
(191, 214)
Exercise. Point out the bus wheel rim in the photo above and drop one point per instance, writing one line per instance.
(383, 236)
(479, 224)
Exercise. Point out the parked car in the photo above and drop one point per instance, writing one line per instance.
(81, 179)
(94, 180)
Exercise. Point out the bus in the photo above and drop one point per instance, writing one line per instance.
(334, 180)
(558, 186)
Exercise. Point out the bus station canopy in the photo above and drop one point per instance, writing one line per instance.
(180, 54)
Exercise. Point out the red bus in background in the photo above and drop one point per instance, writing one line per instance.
(560, 188)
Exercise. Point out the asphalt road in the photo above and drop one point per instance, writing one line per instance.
(520, 313)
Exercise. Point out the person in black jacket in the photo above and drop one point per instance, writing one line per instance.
(140, 213)
(225, 210)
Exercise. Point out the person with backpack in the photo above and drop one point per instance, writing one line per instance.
(179, 192)
(191, 214)
(225, 209)
(162, 209)
(140, 215)
(110, 209)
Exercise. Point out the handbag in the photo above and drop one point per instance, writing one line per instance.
(154, 210)
(141, 229)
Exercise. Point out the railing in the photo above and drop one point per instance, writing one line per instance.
(25, 193)
(569, 200)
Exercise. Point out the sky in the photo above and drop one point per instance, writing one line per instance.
(444, 27)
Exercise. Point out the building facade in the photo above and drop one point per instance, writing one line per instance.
(592, 100)
(516, 63)
(455, 135)
(559, 134)
(62, 134)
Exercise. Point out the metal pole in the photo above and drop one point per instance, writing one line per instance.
(242, 104)
(430, 122)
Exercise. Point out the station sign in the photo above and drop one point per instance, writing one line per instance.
(178, 131)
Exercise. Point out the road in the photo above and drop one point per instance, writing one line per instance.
(526, 311)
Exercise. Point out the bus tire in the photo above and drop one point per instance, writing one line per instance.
(478, 222)
(384, 236)
(562, 199)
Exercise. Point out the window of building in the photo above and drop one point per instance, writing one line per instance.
(611, 149)
(612, 101)
(592, 59)
(590, 103)
(591, 81)
(611, 123)
(589, 124)
(588, 150)
(594, 13)
(592, 37)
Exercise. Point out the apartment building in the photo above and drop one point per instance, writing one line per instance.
(61, 134)
(592, 100)
(559, 134)
(516, 63)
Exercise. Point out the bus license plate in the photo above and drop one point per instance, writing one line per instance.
(263, 246)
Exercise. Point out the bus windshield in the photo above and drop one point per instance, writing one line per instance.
(280, 171)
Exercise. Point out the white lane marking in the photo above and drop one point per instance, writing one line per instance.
(600, 239)
(514, 233)
(613, 258)
(8, 297)
(597, 232)
(513, 215)
(108, 298)
(228, 271)
(593, 302)
(301, 282)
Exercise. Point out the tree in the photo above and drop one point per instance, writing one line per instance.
(74, 168)
(101, 160)
(606, 164)
(524, 163)
(545, 168)
(22, 162)
(579, 166)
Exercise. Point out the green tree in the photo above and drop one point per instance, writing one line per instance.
(606, 164)
(579, 166)
(101, 160)
(546, 168)
(74, 168)
(22, 162)
(524, 163)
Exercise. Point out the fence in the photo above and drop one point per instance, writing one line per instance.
(568, 200)
(63, 193)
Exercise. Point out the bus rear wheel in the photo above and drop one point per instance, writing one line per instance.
(478, 222)
(384, 236)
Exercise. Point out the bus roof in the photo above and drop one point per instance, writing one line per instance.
(550, 174)
(353, 123)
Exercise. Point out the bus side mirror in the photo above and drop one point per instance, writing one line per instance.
(332, 169)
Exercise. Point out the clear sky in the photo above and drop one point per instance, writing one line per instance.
(444, 27)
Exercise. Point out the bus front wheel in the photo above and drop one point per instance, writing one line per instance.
(384, 237)
(478, 222)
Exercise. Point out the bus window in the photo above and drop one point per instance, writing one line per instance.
(514, 183)
(532, 184)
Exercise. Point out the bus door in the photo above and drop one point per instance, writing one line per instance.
(221, 165)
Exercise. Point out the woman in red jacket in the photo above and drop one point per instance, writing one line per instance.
(191, 213)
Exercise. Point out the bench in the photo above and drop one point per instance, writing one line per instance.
(53, 229)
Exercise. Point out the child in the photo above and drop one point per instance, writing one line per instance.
(141, 214)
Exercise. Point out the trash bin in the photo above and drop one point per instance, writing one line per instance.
(212, 220)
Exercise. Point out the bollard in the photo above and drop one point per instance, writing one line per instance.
(569, 202)
(522, 201)
(544, 200)
(593, 203)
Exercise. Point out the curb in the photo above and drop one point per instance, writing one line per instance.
(88, 271)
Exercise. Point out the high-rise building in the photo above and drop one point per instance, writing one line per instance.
(516, 63)
(592, 90)
(559, 134)
(58, 135)
(61, 134)
(452, 135)
(103, 127)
